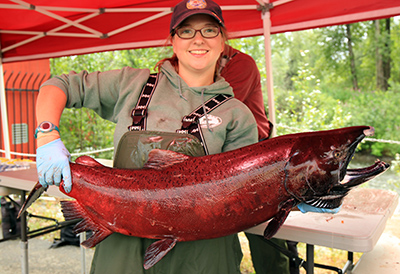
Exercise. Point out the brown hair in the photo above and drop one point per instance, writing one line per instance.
(174, 59)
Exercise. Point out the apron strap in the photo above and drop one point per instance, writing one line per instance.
(139, 113)
(190, 123)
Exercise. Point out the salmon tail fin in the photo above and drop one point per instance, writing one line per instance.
(278, 219)
(72, 210)
(35, 193)
(157, 250)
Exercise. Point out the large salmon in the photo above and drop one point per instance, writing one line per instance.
(181, 198)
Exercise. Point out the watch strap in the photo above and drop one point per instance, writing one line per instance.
(39, 129)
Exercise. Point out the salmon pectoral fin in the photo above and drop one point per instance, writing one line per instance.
(72, 210)
(157, 250)
(278, 219)
(160, 159)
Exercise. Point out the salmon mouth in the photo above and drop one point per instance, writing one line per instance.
(369, 131)
(350, 178)
(355, 177)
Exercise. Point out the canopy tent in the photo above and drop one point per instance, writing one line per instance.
(46, 28)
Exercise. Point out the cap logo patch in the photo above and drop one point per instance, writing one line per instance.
(196, 4)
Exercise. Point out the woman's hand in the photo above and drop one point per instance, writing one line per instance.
(304, 208)
(52, 163)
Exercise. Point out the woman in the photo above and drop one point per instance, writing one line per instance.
(186, 81)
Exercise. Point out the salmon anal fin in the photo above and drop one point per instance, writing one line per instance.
(278, 219)
(157, 250)
(97, 237)
(72, 210)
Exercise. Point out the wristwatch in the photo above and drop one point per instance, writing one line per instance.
(46, 127)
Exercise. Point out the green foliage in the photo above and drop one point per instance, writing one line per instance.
(306, 108)
(253, 46)
(380, 110)
(396, 164)
(83, 130)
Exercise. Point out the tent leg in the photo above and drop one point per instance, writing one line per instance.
(268, 65)
(4, 117)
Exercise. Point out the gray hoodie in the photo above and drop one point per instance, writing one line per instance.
(113, 95)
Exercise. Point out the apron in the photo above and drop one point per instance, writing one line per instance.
(123, 254)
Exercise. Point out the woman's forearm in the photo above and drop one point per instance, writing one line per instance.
(49, 107)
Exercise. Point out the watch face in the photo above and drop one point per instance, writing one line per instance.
(46, 126)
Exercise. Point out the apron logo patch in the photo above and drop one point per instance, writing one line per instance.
(213, 121)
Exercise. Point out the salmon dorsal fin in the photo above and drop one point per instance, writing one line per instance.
(87, 161)
(160, 159)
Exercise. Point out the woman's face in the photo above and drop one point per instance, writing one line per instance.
(198, 54)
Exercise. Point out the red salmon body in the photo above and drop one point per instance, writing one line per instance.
(180, 198)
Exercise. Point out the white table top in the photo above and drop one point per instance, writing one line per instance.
(25, 179)
(357, 227)
(12, 182)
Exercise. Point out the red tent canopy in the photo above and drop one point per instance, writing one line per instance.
(47, 28)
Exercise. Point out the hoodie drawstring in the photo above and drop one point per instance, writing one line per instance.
(204, 109)
(180, 90)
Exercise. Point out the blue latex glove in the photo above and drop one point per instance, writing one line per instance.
(304, 208)
(52, 162)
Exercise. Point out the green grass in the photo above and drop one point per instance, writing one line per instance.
(323, 255)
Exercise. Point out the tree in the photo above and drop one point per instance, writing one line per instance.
(340, 46)
(382, 53)
(351, 57)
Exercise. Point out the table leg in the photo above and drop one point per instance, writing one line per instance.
(82, 237)
(310, 259)
(24, 239)
(350, 263)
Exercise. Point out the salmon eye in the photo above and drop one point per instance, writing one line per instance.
(337, 154)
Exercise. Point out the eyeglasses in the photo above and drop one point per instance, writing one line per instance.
(189, 33)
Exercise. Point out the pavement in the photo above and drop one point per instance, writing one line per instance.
(42, 259)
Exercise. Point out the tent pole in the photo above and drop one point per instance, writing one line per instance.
(4, 116)
(268, 64)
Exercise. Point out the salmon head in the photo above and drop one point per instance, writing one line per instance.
(317, 173)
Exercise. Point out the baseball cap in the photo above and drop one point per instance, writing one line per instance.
(187, 8)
